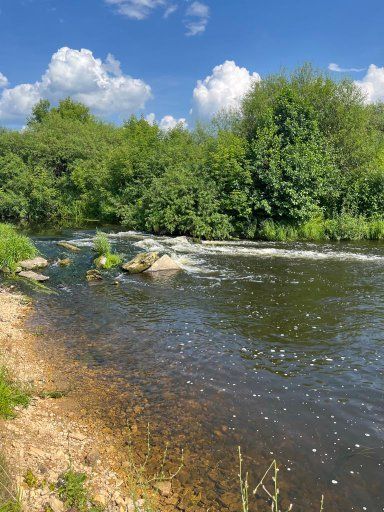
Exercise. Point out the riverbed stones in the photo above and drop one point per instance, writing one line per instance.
(69, 246)
(164, 263)
(141, 262)
(33, 276)
(33, 264)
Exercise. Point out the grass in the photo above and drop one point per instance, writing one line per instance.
(317, 229)
(102, 246)
(9, 498)
(72, 491)
(11, 395)
(268, 486)
(14, 247)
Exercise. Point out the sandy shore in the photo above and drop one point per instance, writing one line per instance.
(54, 433)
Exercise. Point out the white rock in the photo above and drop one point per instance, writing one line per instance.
(33, 276)
(164, 263)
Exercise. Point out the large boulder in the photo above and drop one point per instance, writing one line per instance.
(164, 263)
(33, 264)
(33, 276)
(69, 246)
(141, 262)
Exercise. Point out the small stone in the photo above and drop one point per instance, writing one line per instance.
(100, 499)
(100, 262)
(92, 458)
(55, 504)
(65, 262)
(164, 487)
(93, 275)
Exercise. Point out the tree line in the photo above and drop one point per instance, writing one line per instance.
(302, 158)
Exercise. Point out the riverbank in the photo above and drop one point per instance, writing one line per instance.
(61, 432)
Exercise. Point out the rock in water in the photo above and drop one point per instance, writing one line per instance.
(69, 246)
(28, 274)
(141, 262)
(34, 263)
(64, 262)
(164, 263)
(93, 275)
(100, 262)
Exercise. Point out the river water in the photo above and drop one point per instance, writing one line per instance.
(277, 348)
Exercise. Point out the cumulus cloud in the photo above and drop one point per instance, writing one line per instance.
(77, 73)
(3, 81)
(372, 85)
(197, 17)
(223, 89)
(136, 9)
(167, 122)
(335, 67)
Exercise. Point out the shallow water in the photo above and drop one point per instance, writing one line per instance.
(274, 347)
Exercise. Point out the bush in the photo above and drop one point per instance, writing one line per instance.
(14, 247)
(347, 227)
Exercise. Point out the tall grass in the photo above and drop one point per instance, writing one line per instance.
(102, 246)
(317, 229)
(14, 247)
(9, 497)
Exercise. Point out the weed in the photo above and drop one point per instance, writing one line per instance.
(30, 479)
(269, 488)
(11, 396)
(72, 491)
(9, 498)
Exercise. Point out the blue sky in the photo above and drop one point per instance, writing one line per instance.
(174, 44)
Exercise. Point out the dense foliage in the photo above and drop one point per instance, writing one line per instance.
(302, 159)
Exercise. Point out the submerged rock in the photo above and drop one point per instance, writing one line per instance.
(69, 246)
(164, 263)
(64, 262)
(33, 276)
(34, 263)
(141, 262)
(93, 275)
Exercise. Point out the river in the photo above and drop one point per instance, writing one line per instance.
(277, 348)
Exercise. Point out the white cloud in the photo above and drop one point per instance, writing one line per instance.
(77, 73)
(196, 14)
(167, 122)
(224, 89)
(170, 10)
(372, 85)
(197, 18)
(136, 9)
(3, 81)
(335, 67)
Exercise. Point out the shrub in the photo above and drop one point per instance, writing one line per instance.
(14, 247)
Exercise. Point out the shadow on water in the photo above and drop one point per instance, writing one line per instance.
(277, 348)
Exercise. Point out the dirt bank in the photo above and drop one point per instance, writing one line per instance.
(67, 431)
